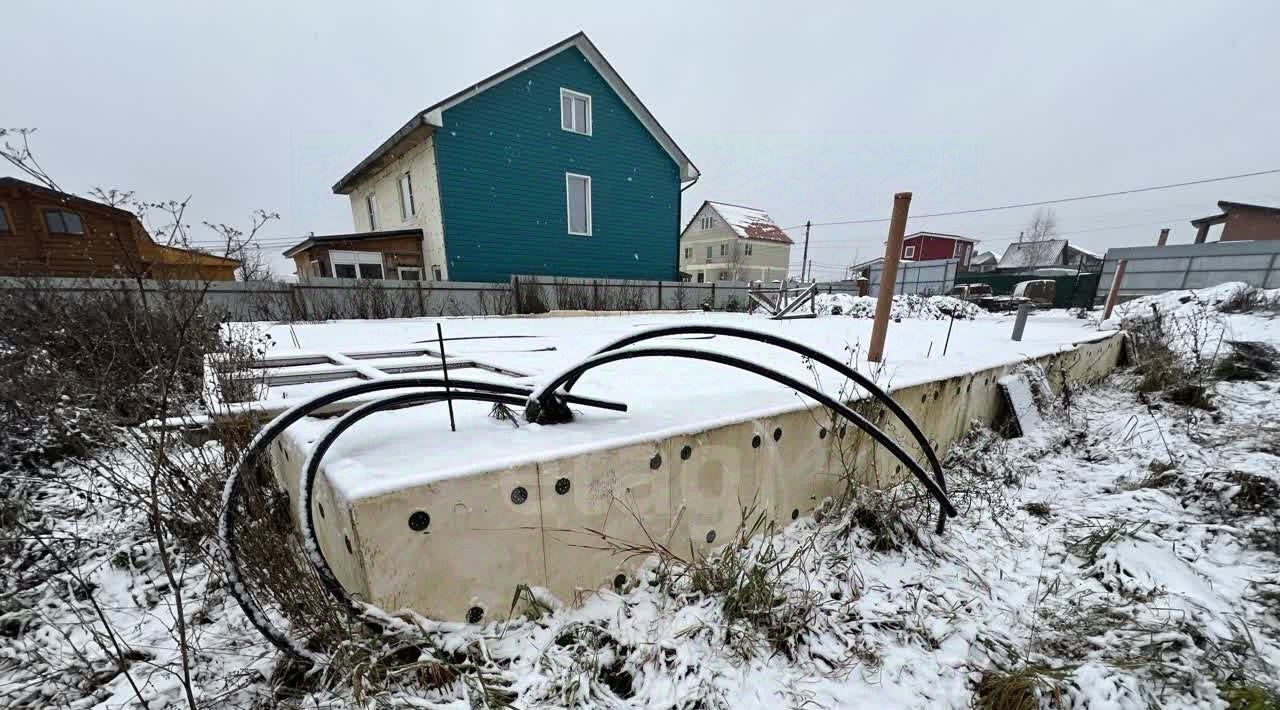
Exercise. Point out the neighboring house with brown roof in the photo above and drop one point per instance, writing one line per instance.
(392, 254)
(725, 242)
(44, 232)
(1240, 222)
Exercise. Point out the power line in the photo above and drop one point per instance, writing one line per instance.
(1056, 201)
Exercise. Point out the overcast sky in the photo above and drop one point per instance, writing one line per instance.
(814, 112)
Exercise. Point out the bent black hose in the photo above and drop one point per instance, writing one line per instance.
(311, 468)
(862, 380)
(547, 392)
(230, 514)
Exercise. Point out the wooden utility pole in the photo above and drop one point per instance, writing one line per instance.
(804, 260)
(1115, 288)
(1164, 237)
(889, 276)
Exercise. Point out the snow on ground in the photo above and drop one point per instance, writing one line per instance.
(666, 397)
(904, 306)
(1126, 556)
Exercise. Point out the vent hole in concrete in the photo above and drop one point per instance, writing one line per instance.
(519, 495)
(347, 540)
(475, 615)
(924, 398)
(563, 486)
(619, 581)
(777, 434)
(419, 521)
(655, 463)
(795, 513)
(685, 453)
(755, 441)
(711, 536)
(822, 432)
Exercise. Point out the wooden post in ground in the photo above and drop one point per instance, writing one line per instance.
(1164, 237)
(1115, 288)
(889, 276)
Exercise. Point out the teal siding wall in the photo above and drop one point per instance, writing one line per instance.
(501, 160)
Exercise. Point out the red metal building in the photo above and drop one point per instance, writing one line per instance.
(924, 246)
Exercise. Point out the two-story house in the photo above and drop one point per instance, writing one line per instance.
(725, 242)
(928, 246)
(551, 166)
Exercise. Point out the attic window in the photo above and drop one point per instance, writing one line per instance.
(708, 222)
(909, 252)
(62, 222)
(575, 112)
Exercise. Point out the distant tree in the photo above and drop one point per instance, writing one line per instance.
(1037, 238)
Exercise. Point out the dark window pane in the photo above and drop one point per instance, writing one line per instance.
(53, 221)
(410, 275)
(578, 200)
(371, 271)
(566, 112)
(580, 115)
(344, 271)
(72, 222)
(4, 220)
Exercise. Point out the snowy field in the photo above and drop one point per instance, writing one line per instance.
(665, 396)
(1126, 556)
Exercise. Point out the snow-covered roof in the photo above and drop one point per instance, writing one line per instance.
(984, 257)
(1024, 255)
(750, 223)
(1086, 252)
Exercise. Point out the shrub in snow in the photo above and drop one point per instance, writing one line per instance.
(911, 305)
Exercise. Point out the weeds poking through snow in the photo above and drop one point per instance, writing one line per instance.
(1028, 688)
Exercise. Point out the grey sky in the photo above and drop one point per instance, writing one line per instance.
(809, 112)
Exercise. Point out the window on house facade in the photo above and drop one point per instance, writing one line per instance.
(724, 276)
(688, 252)
(724, 249)
(63, 222)
(435, 272)
(959, 250)
(708, 222)
(701, 277)
(578, 203)
(409, 273)
(709, 252)
(4, 220)
(909, 251)
(371, 206)
(746, 249)
(406, 197)
(575, 112)
(357, 264)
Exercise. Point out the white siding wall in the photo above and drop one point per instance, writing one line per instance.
(420, 162)
(767, 261)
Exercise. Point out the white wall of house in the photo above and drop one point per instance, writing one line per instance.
(728, 260)
(383, 184)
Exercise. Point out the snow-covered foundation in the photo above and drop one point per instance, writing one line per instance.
(456, 547)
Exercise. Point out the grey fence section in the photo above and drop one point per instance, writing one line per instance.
(582, 294)
(332, 299)
(1152, 270)
(928, 278)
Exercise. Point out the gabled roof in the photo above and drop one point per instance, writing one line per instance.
(984, 257)
(432, 117)
(65, 197)
(1023, 255)
(953, 237)
(317, 239)
(749, 222)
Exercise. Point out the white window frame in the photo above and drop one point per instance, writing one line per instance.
(724, 249)
(568, 125)
(568, 204)
(371, 209)
(746, 249)
(688, 252)
(401, 269)
(436, 273)
(909, 252)
(710, 251)
(356, 259)
(958, 251)
(407, 209)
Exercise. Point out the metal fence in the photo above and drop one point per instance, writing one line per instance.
(316, 299)
(928, 278)
(1152, 270)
